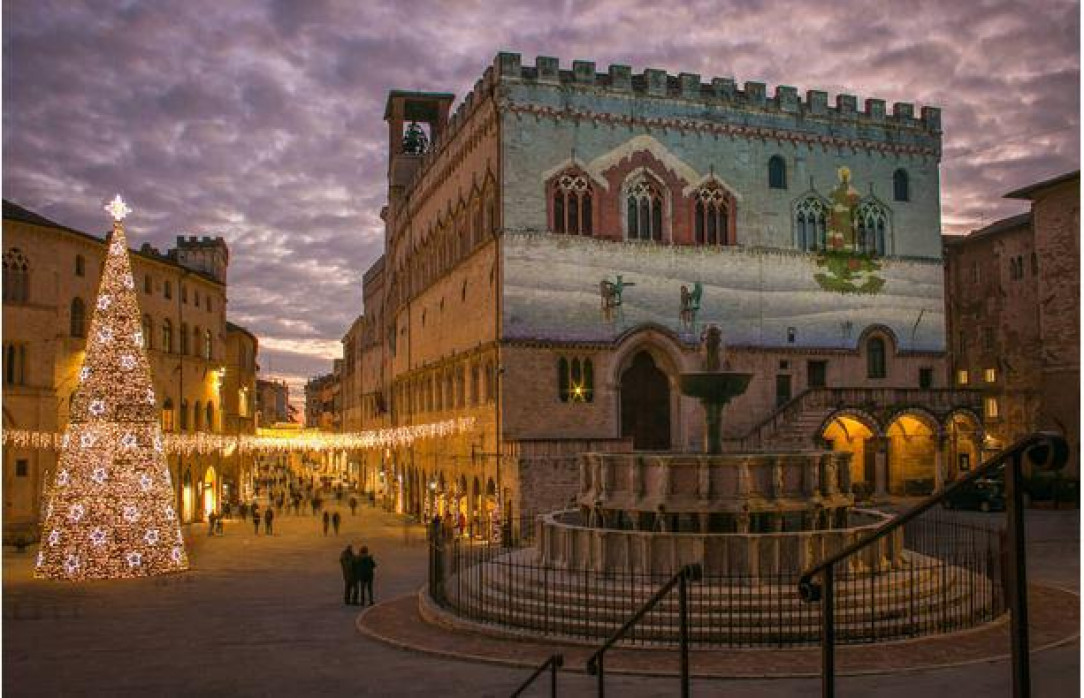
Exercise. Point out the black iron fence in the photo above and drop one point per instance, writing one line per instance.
(948, 577)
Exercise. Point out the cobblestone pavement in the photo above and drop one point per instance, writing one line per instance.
(263, 616)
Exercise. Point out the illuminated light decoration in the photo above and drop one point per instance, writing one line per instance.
(158, 447)
(107, 497)
(171, 515)
(54, 537)
(118, 209)
(41, 559)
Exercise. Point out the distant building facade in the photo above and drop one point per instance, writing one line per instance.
(323, 405)
(555, 248)
(1013, 294)
(51, 277)
(272, 402)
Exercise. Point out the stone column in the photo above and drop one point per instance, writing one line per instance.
(939, 465)
(880, 459)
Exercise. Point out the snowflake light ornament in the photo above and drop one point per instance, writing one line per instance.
(137, 337)
(151, 537)
(62, 478)
(104, 302)
(105, 335)
(76, 512)
(99, 476)
(135, 559)
(84, 373)
(158, 447)
(117, 208)
(97, 536)
(176, 555)
(150, 396)
(129, 282)
(145, 482)
(170, 514)
(71, 565)
(127, 362)
(54, 537)
(131, 514)
(87, 440)
(129, 440)
(97, 407)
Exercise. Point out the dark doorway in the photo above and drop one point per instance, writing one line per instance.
(645, 405)
(782, 389)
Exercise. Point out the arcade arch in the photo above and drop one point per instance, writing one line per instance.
(854, 433)
(912, 453)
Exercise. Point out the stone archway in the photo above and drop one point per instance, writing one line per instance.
(849, 432)
(963, 444)
(210, 492)
(912, 453)
(645, 404)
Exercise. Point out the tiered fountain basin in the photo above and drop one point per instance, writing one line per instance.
(743, 515)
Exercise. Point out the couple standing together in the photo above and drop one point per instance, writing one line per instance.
(358, 575)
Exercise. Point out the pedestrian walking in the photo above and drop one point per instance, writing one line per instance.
(365, 567)
(268, 517)
(335, 521)
(256, 520)
(211, 524)
(327, 520)
(315, 504)
(346, 561)
(353, 506)
(244, 510)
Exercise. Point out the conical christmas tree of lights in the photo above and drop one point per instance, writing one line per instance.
(110, 512)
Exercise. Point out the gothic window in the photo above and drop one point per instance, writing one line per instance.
(475, 396)
(901, 185)
(184, 415)
(777, 172)
(14, 364)
(489, 381)
(167, 289)
(197, 336)
(644, 210)
(78, 318)
(210, 416)
(184, 339)
(712, 217)
(148, 332)
(197, 416)
(167, 415)
(575, 380)
(875, 358)
(16, 276)
(184, 293)
(871, 224)
(147, 284)
(167, 336)
(810, 219)
(80, 265)
(572, 205)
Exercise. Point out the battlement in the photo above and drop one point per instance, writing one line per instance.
(723, 91)
(193, 242)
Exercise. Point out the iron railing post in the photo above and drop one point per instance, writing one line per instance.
(557, 661)
(601, 677)
(828, 634)
(1018, 581)
(683, 630)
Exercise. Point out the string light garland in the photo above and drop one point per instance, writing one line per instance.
(266, 441)
(110, 507)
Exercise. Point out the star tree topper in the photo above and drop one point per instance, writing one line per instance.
(117, 208)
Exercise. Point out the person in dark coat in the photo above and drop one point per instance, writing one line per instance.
(327, 521)
(268, 517)
(346, 561)
(364, 567)
(353, 506)
(336, 519)
(256, 519)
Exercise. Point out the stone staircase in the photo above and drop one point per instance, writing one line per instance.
(515, 592)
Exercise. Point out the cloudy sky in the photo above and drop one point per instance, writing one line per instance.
(261, 121)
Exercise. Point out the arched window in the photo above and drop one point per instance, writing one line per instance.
(871, 225)
(210, 416)
(711, 219)
(167, 336)
(900, 185)
(184, 415)
(777, 172)
(197, 416)
(78, 318)
(572, 199)
(167, 415)
(197, 337)
(207, 344)
(562, 379)
(147, 284)
(80, 265)
(184, 339)
(810, 218)
(644, 210)
(167, 289)
(475, 396)
(875, 358)
(148, 332)
(16, 276)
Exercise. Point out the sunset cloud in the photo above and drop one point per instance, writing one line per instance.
(262, 121)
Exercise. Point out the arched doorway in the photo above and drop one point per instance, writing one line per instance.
(645, 405)
(847, 433)
(187, 497)
(210, 492)
(912, 455)
(963, 444)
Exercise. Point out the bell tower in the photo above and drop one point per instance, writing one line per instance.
(406, 114)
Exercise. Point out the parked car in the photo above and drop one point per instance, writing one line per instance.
(982, 494)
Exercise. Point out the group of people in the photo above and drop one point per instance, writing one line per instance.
(358, 572)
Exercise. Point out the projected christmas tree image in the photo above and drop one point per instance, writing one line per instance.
(110, 511)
